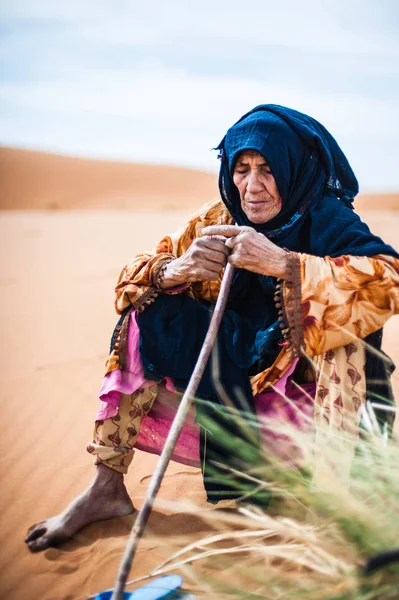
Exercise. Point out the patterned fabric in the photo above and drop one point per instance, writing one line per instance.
(341, 300)
(114, 439)
(340, 393)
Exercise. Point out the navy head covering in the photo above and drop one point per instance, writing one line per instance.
(313, 176)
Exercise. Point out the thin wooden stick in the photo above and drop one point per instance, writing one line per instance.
(173, 436)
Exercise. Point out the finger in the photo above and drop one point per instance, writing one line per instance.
(224, 230)
(215, 243)
(231, 242)
(237, 239)
(213, 256)
(235, 260)
(212, 266)
(204, 274)
(221, 238)
(213, 249)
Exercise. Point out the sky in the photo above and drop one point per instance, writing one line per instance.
(161, 81)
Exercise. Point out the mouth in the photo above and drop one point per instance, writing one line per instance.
(257, 202)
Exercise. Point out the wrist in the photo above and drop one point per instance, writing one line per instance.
(284, 264)
(281, 266)
(168, 276)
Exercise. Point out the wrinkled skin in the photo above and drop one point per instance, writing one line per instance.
(105, 498)
(259, 195)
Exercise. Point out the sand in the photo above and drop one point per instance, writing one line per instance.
(60, 182)
(57, 279)
(39, 180)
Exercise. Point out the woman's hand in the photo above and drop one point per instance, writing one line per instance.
(251, 250)
(204, 260)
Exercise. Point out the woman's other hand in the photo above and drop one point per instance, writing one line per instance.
(204, 260)
(251, 250)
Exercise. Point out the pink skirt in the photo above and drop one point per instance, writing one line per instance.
(271, 407)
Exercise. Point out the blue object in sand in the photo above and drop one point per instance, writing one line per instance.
(166, 587)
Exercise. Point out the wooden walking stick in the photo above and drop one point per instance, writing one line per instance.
(173, 436)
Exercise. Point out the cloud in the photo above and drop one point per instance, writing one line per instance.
(162, 82)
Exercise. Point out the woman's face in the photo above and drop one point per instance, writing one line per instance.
(260, 198)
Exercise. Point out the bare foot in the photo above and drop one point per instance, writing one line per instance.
(105, 498)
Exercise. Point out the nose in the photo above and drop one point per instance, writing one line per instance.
(254, 184)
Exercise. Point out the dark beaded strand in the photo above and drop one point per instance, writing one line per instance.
(289, 310)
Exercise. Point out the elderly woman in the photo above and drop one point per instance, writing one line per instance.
(311, 285)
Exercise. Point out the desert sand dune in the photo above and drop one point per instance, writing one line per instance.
(62, 182)
(32, 180)
(57, 316)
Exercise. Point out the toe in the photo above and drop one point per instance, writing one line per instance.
(32, 527)
(35, 533)
(39, 544)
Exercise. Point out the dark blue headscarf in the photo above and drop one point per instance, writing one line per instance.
(313, 176)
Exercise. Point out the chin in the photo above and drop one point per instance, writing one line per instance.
(259, 219)
(261, 215)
